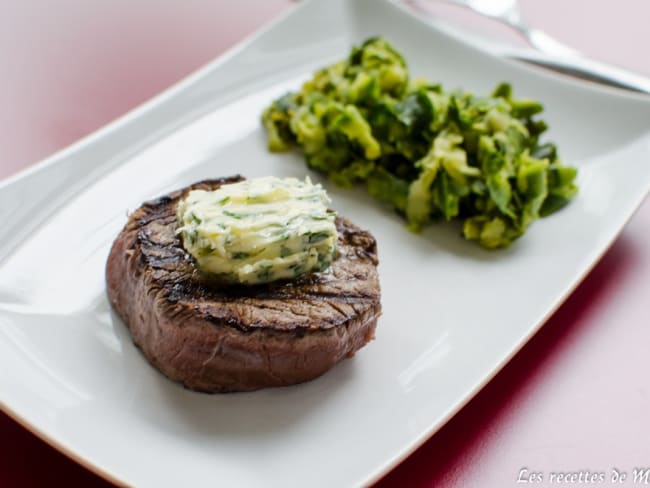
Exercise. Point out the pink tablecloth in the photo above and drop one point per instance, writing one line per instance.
(574, 400)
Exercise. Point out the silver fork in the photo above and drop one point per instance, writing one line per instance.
(553, 54)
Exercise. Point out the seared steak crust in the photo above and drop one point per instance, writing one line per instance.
(218, 338)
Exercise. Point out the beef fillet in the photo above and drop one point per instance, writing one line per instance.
(219, 338)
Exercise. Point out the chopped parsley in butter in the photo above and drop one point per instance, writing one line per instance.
(259, 230)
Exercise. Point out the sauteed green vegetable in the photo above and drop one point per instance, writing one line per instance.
(428, 152)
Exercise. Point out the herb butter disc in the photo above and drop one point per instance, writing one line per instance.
(259, 230)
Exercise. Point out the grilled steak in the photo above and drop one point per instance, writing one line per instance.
(213, 337)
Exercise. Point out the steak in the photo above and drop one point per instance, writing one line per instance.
(215, 337)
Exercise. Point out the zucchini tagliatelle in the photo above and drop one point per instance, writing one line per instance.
(428, 152)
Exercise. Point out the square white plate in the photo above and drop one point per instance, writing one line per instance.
(454, 313)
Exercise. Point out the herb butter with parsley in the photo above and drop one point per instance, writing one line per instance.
(259, 230)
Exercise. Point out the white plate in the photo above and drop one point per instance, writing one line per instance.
(454, 314)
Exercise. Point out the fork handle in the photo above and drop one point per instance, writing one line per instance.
(586, 69)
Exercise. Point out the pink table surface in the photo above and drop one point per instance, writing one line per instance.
(577, 396)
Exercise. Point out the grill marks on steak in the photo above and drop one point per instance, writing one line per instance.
(320, 301)
(253, 336)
